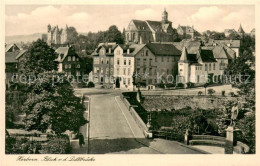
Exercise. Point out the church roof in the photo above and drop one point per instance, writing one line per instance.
(163, 49)
(141, 25)
(155, 25)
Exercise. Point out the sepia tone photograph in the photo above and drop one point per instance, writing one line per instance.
(129, 79)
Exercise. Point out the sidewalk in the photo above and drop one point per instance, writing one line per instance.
(160, 145)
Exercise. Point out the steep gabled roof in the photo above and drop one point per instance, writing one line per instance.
(62, 53)
(155, 25)
(10, 57)
(186, 57)
(207, 56)
(163, 49)
(9, 46)
(141, 25)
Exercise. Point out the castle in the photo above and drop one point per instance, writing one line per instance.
(56, 35)
(139, 31)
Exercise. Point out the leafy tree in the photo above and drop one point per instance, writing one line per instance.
(114, 35)
(39, 58)
(72, 37)
(52, 105)
(234, 36)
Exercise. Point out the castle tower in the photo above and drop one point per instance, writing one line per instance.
(184, 66)
(164, 16)
(64, 35)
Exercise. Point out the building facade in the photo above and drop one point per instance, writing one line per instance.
(206, 65)
(103, 64)
(70, 63)
(139, 31)
(154, 62)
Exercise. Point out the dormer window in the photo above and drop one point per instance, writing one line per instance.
(69, 58)
(73, 58)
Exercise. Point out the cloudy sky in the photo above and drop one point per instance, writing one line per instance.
(21, 19)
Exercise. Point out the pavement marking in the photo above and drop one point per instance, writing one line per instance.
(125, 117)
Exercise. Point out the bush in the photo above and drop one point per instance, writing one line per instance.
(15, 145)
(57, 145)
(90, 84)
(200, 93)
(211, 91)
(190, 85)
(223, 93)
(232, 94)
(180, 85)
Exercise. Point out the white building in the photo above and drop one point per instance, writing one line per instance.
(124, 67)
(206, 65)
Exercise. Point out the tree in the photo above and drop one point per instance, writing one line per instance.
(114, 35)
(52, 105)
(39, 58)
(72, 35)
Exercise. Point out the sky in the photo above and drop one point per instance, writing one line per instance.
(29, 19)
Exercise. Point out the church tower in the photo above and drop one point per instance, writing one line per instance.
(164, 16)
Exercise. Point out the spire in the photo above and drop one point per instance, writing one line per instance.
(240, 29)
(164, 16)
(184, 55)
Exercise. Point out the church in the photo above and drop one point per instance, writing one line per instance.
(147, 31)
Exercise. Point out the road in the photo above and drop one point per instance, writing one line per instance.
(113, 130)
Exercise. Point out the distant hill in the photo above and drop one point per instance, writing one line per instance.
(23, 38)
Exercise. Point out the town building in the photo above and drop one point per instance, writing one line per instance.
(56, 35)
(228, 32)
(103, 64)
(155, 62)
(69, 62)
(139, 31)
(187, 30)
(233, 44)
(204, 64)
(12, 59)
(124, 59)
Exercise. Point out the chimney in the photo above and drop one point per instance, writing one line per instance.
(128, 51)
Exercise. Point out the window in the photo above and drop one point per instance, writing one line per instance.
(107, 70)
(69, 58)
(118, 61)
(124, 61)
(124, 71)
(144, 62)
(69, 66)
(155, 59)
(128, 72)
(214, 66)
(107, 61)
(102, 61)
(124, 81)
(155, 72)
(133, 36)
(206, 67)
(129, 81)
(138, 70)
(150, 62)
(129, 62)
(78, 66)
(180, 69)
(209, 67)
(146, 53)
(138, 62)
(101, 70)
(16, 65)
(73, 58)
(150, 71)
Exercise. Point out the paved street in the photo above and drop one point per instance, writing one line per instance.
(113, 130)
